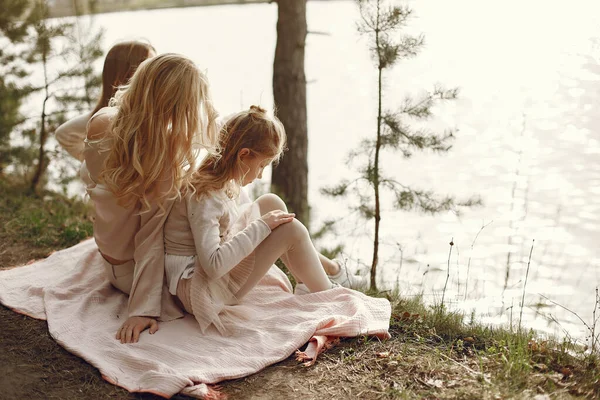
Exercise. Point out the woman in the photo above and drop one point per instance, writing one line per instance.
(119, 65)
(135, 164)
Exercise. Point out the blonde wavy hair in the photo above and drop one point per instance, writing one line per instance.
(254, 129)
(164, 113)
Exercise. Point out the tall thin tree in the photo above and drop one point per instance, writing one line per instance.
(380, 23)
(290, 177)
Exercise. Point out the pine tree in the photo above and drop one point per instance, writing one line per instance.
(380, 23)
(65, 57)
(13, 30)
(83, 90)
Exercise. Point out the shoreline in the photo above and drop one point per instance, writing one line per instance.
(434, 352)
(70, 8)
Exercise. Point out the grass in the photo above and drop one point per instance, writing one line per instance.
(504, 362)
(434, 352)
(41, 222)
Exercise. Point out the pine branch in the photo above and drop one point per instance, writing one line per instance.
(398, 136)
(407, 198)
(394, 18)
(410, 46)
(422, 108)
(366, 211)
(340, 189)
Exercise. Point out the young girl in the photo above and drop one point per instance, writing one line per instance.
(135, 159)
(217, 245)
(119, 65)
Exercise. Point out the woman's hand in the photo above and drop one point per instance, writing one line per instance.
(130, 331)
(277, 217)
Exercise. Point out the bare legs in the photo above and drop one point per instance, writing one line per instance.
(270, 202)
(330, 266)
(291, 242)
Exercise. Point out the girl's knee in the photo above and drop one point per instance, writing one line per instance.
(269, 202)
(294, 231)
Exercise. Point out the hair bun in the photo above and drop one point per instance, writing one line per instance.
(258, 109)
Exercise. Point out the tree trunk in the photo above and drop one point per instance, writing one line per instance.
(376, 161)
(290, 177)
(41, 167)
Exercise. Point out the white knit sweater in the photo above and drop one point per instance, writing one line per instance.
(211, 229)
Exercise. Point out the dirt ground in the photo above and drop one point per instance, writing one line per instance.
(34, 366)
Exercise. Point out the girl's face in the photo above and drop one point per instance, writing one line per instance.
(253, 166)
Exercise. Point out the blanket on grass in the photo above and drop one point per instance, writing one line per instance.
(83, 311)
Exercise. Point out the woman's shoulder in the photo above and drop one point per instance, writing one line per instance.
(99, 123)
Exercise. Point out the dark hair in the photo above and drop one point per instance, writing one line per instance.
(119, 65)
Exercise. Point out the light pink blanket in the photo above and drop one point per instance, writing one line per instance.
(83, 311)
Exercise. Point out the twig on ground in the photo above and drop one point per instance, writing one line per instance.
(472, 372)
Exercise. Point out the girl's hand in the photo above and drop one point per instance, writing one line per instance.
(277, 217)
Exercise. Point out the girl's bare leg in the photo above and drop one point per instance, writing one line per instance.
(293, 240)
(270, 202)
(330, 266)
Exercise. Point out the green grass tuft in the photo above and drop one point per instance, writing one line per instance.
(47, 221)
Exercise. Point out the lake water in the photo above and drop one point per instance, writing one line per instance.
(528, 141)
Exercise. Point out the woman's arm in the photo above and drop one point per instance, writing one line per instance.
(70, 135)
(217, 259)
(95, 148)
(149, 256)
(147, 300)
